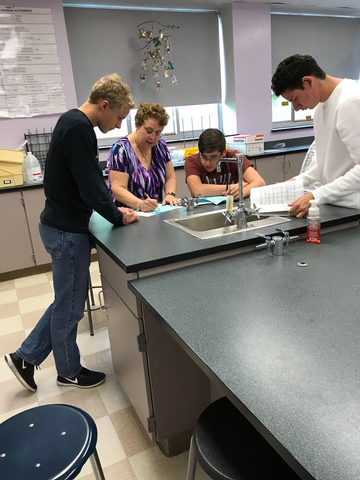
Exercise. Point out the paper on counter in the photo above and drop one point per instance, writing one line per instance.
(162, 209)
(216, 200)
(275, 198)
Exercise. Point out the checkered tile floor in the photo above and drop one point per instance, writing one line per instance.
(125, 451)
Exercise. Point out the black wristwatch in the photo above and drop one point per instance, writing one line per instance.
(170, 193)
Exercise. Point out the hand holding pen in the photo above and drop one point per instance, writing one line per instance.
(149, 204)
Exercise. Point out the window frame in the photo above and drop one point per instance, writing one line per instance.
(178, 136)
(292, 123)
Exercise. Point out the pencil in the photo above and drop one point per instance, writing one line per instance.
(157, 207)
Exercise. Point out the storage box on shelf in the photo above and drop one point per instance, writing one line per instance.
(11, 168)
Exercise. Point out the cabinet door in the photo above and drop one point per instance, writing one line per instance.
(271, 168)
(293, 162)
(129, 364)
(34, 204)
(15, 246)
(181, 188)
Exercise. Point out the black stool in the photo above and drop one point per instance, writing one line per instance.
(91, 307)
(228, 447)
(48, 442)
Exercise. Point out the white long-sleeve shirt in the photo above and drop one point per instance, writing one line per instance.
(337, 136)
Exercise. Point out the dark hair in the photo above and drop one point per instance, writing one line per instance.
(212, 140)
(290, 72)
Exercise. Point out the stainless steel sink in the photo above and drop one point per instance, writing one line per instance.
(212, 224)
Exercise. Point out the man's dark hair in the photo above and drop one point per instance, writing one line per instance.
(212, 140)
(290, 72)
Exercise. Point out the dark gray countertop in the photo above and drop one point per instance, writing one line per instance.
(17, 188)
(283, 341)
(151, 242)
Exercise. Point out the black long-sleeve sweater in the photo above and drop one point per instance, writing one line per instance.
(73, 184)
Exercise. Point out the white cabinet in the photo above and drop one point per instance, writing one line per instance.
(15, 244)
(293, 164)
(181, 188)
(280, 167)
(34, 200)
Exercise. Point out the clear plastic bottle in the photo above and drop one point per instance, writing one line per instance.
(313, 223)
(32, 170)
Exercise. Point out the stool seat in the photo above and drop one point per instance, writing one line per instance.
(228, 447)
(45, 443)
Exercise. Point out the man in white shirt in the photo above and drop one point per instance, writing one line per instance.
(301, 81)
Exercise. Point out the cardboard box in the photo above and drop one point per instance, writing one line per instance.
(11, 168)
(248, 138)
(247, 148)
(250, 148)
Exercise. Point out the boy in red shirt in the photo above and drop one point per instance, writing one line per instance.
(202, 177)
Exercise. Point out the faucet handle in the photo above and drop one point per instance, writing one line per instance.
(182, 202)
(286, 235)
(267, 239)
(252, 211)
(287, 238)
(228, 216)
(256, 210)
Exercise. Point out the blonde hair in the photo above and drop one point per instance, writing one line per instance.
(151, 110)
(113, 89)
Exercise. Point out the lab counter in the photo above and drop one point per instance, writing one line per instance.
(19, 188)
(144, 354)
(279, 340)
(153, 243)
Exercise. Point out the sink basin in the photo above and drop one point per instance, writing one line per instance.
(212, 224)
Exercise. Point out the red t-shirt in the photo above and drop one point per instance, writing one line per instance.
(228, 173)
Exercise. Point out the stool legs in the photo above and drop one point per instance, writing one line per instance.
(191, 470)
(96, 466)
(91, 290)
(88, 309)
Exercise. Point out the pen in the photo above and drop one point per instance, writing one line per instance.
(157, 208)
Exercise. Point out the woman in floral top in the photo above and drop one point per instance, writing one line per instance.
(140, 164)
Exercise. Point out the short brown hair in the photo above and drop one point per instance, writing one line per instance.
(290, 72)
(113, 89)
(151, 110)
(211, 140)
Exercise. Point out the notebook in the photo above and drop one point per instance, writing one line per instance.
(275, 198)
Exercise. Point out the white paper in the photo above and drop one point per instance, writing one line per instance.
(30, 74)
(162, 209)
(275, 198)
(9, 51)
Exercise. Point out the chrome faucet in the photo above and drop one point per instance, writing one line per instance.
(189, 202)
(242, 212)
(276, 242)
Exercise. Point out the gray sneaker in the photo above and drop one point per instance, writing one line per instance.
(23, 371)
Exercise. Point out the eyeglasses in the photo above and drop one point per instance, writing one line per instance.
(150, 132)
(212, 158)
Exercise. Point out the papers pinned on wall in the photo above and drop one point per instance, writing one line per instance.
(30, 75)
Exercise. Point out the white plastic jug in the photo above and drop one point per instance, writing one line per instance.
(32, 170)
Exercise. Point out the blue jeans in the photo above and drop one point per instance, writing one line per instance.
(57, 328)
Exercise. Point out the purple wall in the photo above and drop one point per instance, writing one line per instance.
(251, 26)
(12, 130)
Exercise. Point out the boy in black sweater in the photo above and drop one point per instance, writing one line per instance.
(74, 187)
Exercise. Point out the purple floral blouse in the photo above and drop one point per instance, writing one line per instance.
(122, 158)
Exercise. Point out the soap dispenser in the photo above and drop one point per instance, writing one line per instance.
(313, 223)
